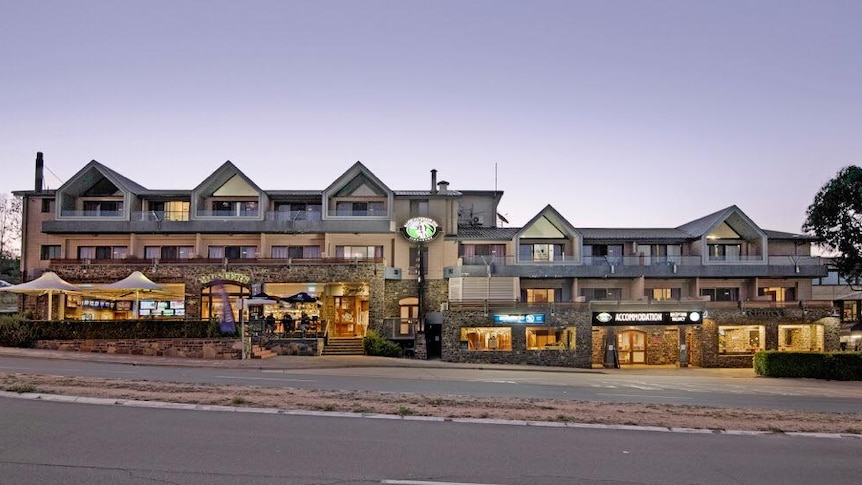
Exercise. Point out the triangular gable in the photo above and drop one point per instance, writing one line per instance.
(223, 176)
(95, 179)
(548, 224)
(235, 186)
(713, 225)
(357, 179)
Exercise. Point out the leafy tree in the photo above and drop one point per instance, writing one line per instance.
(835, 217)
(10, 237)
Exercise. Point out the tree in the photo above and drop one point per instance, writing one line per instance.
(835, 217)
(10, 237)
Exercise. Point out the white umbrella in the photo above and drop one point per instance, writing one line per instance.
(135, 282)
(49, 283)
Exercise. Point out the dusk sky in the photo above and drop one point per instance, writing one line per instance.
(617, 113)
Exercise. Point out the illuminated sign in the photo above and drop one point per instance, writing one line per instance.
(226, 276)
(647, 318)
(529, 318)
(420, 229)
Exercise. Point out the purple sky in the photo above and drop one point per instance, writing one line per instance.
(617, 113)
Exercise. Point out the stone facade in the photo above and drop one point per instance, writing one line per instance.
(579, 356)
(217, 349)
(307, 347)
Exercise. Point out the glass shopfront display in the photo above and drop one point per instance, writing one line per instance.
(486, 338)
(550, 338)
(800, 338)
(740, 339)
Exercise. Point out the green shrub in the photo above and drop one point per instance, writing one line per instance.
(15, 332)
(376, 345)
(840, 366)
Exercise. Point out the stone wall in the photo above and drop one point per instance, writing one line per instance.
(307, 347)
(217, 349)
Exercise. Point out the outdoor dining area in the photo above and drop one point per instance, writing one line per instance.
(273, 317)
(128, 298)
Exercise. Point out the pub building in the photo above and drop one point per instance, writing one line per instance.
(435, 269)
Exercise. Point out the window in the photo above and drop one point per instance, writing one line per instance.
(361, 252)
(542, 295)
(721, 294)
(540, 252)
(800, 338)
(50, 251)
(740, 339)
(296, 252)
(175, 210)
(660, 294)
(103, 208)
(483, 339)
(298, 211)
(419, 208)
(47, 205)
(590, 294)
(226, 208)
(778, 294)
(724, 252)
(413, 269)
(169, 252)
(232, 252)
(603, 253)
(360, 208)
(544, 338)
(103, 252)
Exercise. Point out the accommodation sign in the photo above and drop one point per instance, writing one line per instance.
(529, 318)
(647, 318)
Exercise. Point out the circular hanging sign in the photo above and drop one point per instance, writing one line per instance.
(420, 229)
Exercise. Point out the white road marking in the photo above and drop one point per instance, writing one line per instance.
(265, 379)
(642, 395)
(420, 482)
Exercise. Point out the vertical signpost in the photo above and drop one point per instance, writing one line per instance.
(420, 230)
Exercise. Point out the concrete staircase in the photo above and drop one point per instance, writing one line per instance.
(258, 352)
(344, 346)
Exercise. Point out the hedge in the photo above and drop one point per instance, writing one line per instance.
(375, 344)
(836, 366)
(17, 332)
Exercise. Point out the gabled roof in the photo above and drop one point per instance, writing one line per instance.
(552, 217)
(121, 182)
(485, 233)
(221, 176)
(629, 234)
(701, 227)
(356, 170)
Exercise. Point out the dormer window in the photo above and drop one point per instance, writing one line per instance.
(360, 208)
(230, 208)
(102, 208)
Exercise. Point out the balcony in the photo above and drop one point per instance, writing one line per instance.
(636, 266)
(150, 221)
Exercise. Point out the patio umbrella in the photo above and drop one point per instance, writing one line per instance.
(301, 297)
(49, 283)
(135, 283)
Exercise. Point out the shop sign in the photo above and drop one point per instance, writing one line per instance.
(226, 276)
(529, 318)
(646, 318)
(420, 229)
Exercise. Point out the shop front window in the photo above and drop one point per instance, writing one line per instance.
(740, 339)
(544, 338)
(483, 339)
(800, 338)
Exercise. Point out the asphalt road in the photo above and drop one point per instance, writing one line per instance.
(46, 442)
(686, 386)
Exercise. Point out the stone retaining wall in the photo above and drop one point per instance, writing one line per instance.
(216, 349)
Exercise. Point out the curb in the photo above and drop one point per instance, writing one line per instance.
(336, 414)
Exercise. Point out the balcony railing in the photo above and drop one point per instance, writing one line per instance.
(401, 328)
(214, 261)
(639, 260)
(91, 214)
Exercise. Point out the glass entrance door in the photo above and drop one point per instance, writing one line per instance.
(632, 347)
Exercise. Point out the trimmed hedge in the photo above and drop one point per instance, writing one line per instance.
(15, 332)
(836, 366)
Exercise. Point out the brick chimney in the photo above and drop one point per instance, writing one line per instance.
(40, 172)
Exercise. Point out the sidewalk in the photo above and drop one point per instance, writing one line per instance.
(291, 362)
